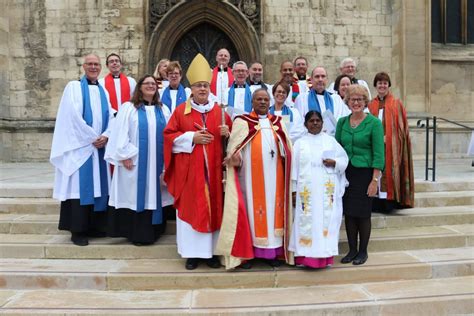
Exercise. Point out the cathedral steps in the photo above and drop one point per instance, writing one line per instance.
(407, 297)
(169, 274)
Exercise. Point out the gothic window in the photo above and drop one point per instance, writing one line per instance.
(452, 21)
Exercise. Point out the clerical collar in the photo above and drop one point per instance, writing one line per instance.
(262, 116)
(201, 108)
(381, 98)
(171, 88)
(320, 93)
(94, 83)
(222, 69)
(236, 85)
(301, 77)
(255, 83)
(354, 80)
(116, 76)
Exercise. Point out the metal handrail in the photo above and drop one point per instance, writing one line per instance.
(424, 122)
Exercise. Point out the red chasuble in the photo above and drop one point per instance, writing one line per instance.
(239, 245)
(215, 71)
(397, 178)
(124, 89)
(195, 179)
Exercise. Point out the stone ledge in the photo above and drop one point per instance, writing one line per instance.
(41, 125)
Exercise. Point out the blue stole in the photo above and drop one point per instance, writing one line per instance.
(313, 103)
(157, 217)
(86, 177)
(180, 96)
(285, 110)
(248, 98)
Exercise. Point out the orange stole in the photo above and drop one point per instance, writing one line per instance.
(258, 192)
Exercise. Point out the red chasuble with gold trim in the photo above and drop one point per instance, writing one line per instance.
(195, 179)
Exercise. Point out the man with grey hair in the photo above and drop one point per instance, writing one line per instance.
(239, 95)
(81, 132)
(349, 67)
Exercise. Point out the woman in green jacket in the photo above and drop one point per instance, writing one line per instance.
(361, 135)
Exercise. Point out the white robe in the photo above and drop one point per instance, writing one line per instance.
(222, 86)
(122, 145)
(308, 171)
(269, 174)
(73, 138)
(254, 87)
(118, 91)
(340, 109)
(174, 95)
(191, 243)
(296, 128)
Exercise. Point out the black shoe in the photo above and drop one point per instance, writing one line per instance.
(274, 263)
(360, 259)
(348, 258)
(191, 263)
(79, 239)
(139, 244)
(246, 265)
(213, 262)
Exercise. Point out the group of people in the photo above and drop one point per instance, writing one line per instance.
(251, 170)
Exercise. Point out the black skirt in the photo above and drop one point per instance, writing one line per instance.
(356, 202)
(78, 218)
(137, 227)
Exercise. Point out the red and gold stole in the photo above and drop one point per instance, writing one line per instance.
(215, 71)
(124, 89)
(258, 191)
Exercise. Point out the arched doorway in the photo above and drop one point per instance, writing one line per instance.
(206, 39)
(187, 27)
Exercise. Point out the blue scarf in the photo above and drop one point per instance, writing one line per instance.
(248, 98)
(180, 97)
(313, 103)
(86, 176)
(285, 110)
(157, 217)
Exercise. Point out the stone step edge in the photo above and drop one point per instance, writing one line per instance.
(447, 297)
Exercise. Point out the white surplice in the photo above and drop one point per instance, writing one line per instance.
(122, 145)
(310, 176)
(339, 107)
(296, 128)
(359, 81)
(191, 243)
(118, 92)
(73, 138)
(174, 95)
(269, 173)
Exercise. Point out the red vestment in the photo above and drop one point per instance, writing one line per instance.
(124, 90)
(195, 179)
(397, 178)
(215, 71)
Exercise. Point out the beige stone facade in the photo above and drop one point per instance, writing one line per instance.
(42, 43)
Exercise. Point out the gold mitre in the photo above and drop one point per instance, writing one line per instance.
(199, 70)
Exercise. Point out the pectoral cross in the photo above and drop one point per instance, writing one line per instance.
(272, 153)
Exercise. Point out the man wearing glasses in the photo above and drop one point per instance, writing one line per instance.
(318, 99)
(119, 86)
(348, 67)
(77, 153)
(193, 152)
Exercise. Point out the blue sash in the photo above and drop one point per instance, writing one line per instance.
(86, 177)
(180, 97)
(157, 217)
(313, 103)
(248, 98)
(285, 110)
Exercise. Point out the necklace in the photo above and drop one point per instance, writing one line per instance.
(354, 123)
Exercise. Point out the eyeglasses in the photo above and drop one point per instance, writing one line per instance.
(149, 83)
(92, 64)
(280, 92)
(200, 85)
(112, 61)
(240, 70)
(356, 100)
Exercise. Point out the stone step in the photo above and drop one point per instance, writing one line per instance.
(26, 190)
(29, 205)
(23, 223)
(444, 185)
(430, 199)
(168, 274)
(407, 297)
(60, 247)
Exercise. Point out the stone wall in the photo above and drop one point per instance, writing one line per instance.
(328, 31)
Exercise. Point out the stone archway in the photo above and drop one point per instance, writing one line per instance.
(172, 21)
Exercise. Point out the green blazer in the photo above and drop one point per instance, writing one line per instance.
(364, 144)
